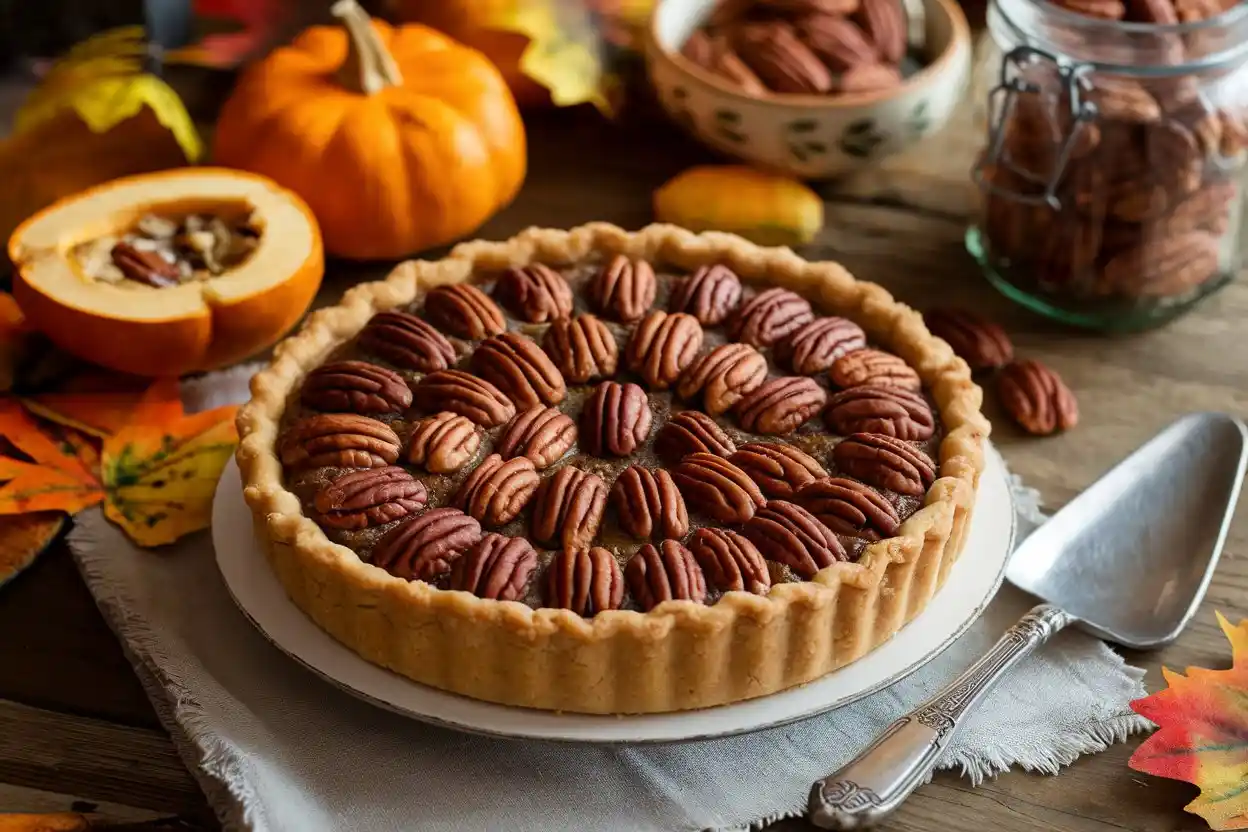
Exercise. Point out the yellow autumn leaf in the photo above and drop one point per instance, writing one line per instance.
(161, 470)
(103, 81)
(765, 208)
(563, 55)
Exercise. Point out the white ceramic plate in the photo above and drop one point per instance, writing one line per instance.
(969, 588)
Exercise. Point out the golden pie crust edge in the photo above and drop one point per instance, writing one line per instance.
(681, 655)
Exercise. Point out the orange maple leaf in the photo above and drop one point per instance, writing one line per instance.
(62, 474)
(1202, 735)
(161, 471)
(97, 402)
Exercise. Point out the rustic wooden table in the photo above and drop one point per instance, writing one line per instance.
(76, 729)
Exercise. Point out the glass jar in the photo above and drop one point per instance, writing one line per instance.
(1112, 179)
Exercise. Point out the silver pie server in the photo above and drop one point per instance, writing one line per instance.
(1128, 560)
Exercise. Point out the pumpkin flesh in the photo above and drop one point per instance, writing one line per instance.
(194, 326)
(417, 161)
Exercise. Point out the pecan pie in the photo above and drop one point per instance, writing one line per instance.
(605, 472)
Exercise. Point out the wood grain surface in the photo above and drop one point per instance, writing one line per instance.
(76, 728)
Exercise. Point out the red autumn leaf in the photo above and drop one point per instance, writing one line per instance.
(1202, 735)
(257, 23)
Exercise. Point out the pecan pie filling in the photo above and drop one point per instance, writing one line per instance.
(609, 435)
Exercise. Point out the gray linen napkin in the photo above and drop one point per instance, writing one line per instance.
(279, 750)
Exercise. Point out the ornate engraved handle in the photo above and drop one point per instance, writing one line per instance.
(876, 782)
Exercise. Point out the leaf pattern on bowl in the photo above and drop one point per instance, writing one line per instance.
(727, 126)
(803, 140)
(680, 109)
(919, 121)
(862, 139)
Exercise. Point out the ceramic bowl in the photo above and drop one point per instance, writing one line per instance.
(808, 136)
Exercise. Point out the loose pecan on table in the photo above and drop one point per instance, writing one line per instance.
(1036, 398)
(778, 469)
(850, 508)
(667, 572)
(407, 342)
(465, 394)
(769, 316)
(497, 568)
(583, 348)
(710, 294)
(982, 344)
(342, 440)
(567, 509)
(443, 443)
(662, 346)
(585, 581)
(815, 347)
(891, 411)
(355, 387)
(730, 561)
(875, 367)
(722, 376)
(542, 434)
(624, 289)
(425, 547)
(370, 497)
(536, 293)
(781, 405)
(497, 490)
(615, 420)
(717, 488)
(789, 534)
(648, 504)
(465, 311)
(691, 432)
(885, 462)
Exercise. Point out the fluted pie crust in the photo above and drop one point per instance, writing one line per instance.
(680, 655)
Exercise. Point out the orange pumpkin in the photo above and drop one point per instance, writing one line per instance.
(399, 138)
(184, 328)
(471, 22)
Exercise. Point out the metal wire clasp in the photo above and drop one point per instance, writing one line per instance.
(1071, 87)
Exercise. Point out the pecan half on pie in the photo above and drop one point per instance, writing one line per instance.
(606, 472)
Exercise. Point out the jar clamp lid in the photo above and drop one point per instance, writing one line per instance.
(1073, 87)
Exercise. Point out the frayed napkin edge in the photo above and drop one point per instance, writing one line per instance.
(208, 759)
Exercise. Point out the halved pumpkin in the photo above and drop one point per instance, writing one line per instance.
(197, 325)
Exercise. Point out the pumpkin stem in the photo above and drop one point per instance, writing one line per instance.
(369, 67)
